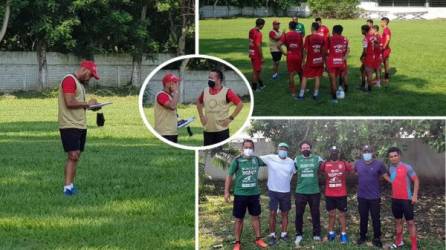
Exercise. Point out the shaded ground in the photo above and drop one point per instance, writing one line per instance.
(216, 221)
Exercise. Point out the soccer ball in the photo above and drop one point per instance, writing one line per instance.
(340, 94)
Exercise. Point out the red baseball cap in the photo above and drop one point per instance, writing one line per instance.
(169, 77)
(90, 65)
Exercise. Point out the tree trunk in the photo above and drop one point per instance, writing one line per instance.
(182, 74)
(43, 66)
(136, 79)
(5, 19)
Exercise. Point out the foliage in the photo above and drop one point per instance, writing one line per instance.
(351, 135)
(341, 9)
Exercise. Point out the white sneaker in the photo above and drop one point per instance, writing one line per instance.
(298, 240)
(317, 238)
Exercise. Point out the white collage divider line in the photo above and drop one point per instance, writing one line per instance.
(197, 52)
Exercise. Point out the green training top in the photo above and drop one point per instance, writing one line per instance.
(246, 171)
(307, 174)
(301, 29)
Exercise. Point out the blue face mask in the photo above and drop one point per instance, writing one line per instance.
(283, 154)
(367, 156)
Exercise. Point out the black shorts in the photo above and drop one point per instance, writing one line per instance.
(276, 55)
(402, 207)
(73, 139)
(250, 202)
(211, 138)
(279, 200)
(339, 203)
(172, 138)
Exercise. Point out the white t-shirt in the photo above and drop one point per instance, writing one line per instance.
(280, 172)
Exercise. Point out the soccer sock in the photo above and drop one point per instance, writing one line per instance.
(272, 235)
(341, 82)
(343, 233)
(316, 92)
(237, 242)
(333, 96)
(331, 232)
(258, 238)
(260, 83)
(283, 234)
(345, 88)
(399, 238)
(386, 75)
(254, 86)
(413, 239)
(301, 92)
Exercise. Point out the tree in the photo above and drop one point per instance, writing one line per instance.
(5, 19)
(351, 135)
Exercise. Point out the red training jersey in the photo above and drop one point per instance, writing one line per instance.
(293, 42)
(255, 42)
(335, 177)
(314, 46)
(368, 43)
(337, 49)
(324, 32)
(386, 35)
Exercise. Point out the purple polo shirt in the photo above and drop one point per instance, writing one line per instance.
(368, 178)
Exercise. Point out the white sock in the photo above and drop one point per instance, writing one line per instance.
(283, 234)
(316, 92)
(331, 232)
(272, 235)
(343, 233)
(301, 92)
(68, 187)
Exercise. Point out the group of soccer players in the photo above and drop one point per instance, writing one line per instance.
(309, 56)
(308, 166)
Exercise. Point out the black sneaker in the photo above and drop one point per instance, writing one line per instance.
(377, 243)
(361, 241)
(271, 240)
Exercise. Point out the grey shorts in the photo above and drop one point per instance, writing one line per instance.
(279, 200)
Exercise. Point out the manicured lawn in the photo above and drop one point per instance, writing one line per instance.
(186, 111)
(418, 81)
(135, 192)
(216, 222)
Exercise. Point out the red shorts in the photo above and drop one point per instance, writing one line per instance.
(310, 72)
(294, 64)
(386, 53)
(338, 71)
(256, 63)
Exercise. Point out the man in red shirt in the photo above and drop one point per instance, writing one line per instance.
(256, 54)
(368, 56)
(294, 44)
(165, 108)
(335, 172)
(274, 38)
(338, 51)
(402, 176)
(72, 118)
(314, 52)
(213, 108)
(323, 30)
(385, 40)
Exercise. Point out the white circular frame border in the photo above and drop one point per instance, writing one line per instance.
(154, 71)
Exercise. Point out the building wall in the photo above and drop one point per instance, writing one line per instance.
(193, 83)
(20, 69)
(373, 10)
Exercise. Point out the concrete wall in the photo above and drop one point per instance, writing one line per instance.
(209, 11)
(426, 162)
(193, 83)
(19, 70)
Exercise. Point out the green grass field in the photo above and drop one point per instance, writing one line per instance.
(135, 192)
(186, 111)
(216, 222)
(417, 86)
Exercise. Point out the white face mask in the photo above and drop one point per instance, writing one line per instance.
(282, 154)
(367, 156)
(248, 152)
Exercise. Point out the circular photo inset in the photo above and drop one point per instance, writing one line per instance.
(195, 102)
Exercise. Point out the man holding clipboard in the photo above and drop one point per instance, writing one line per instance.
(72, 118)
